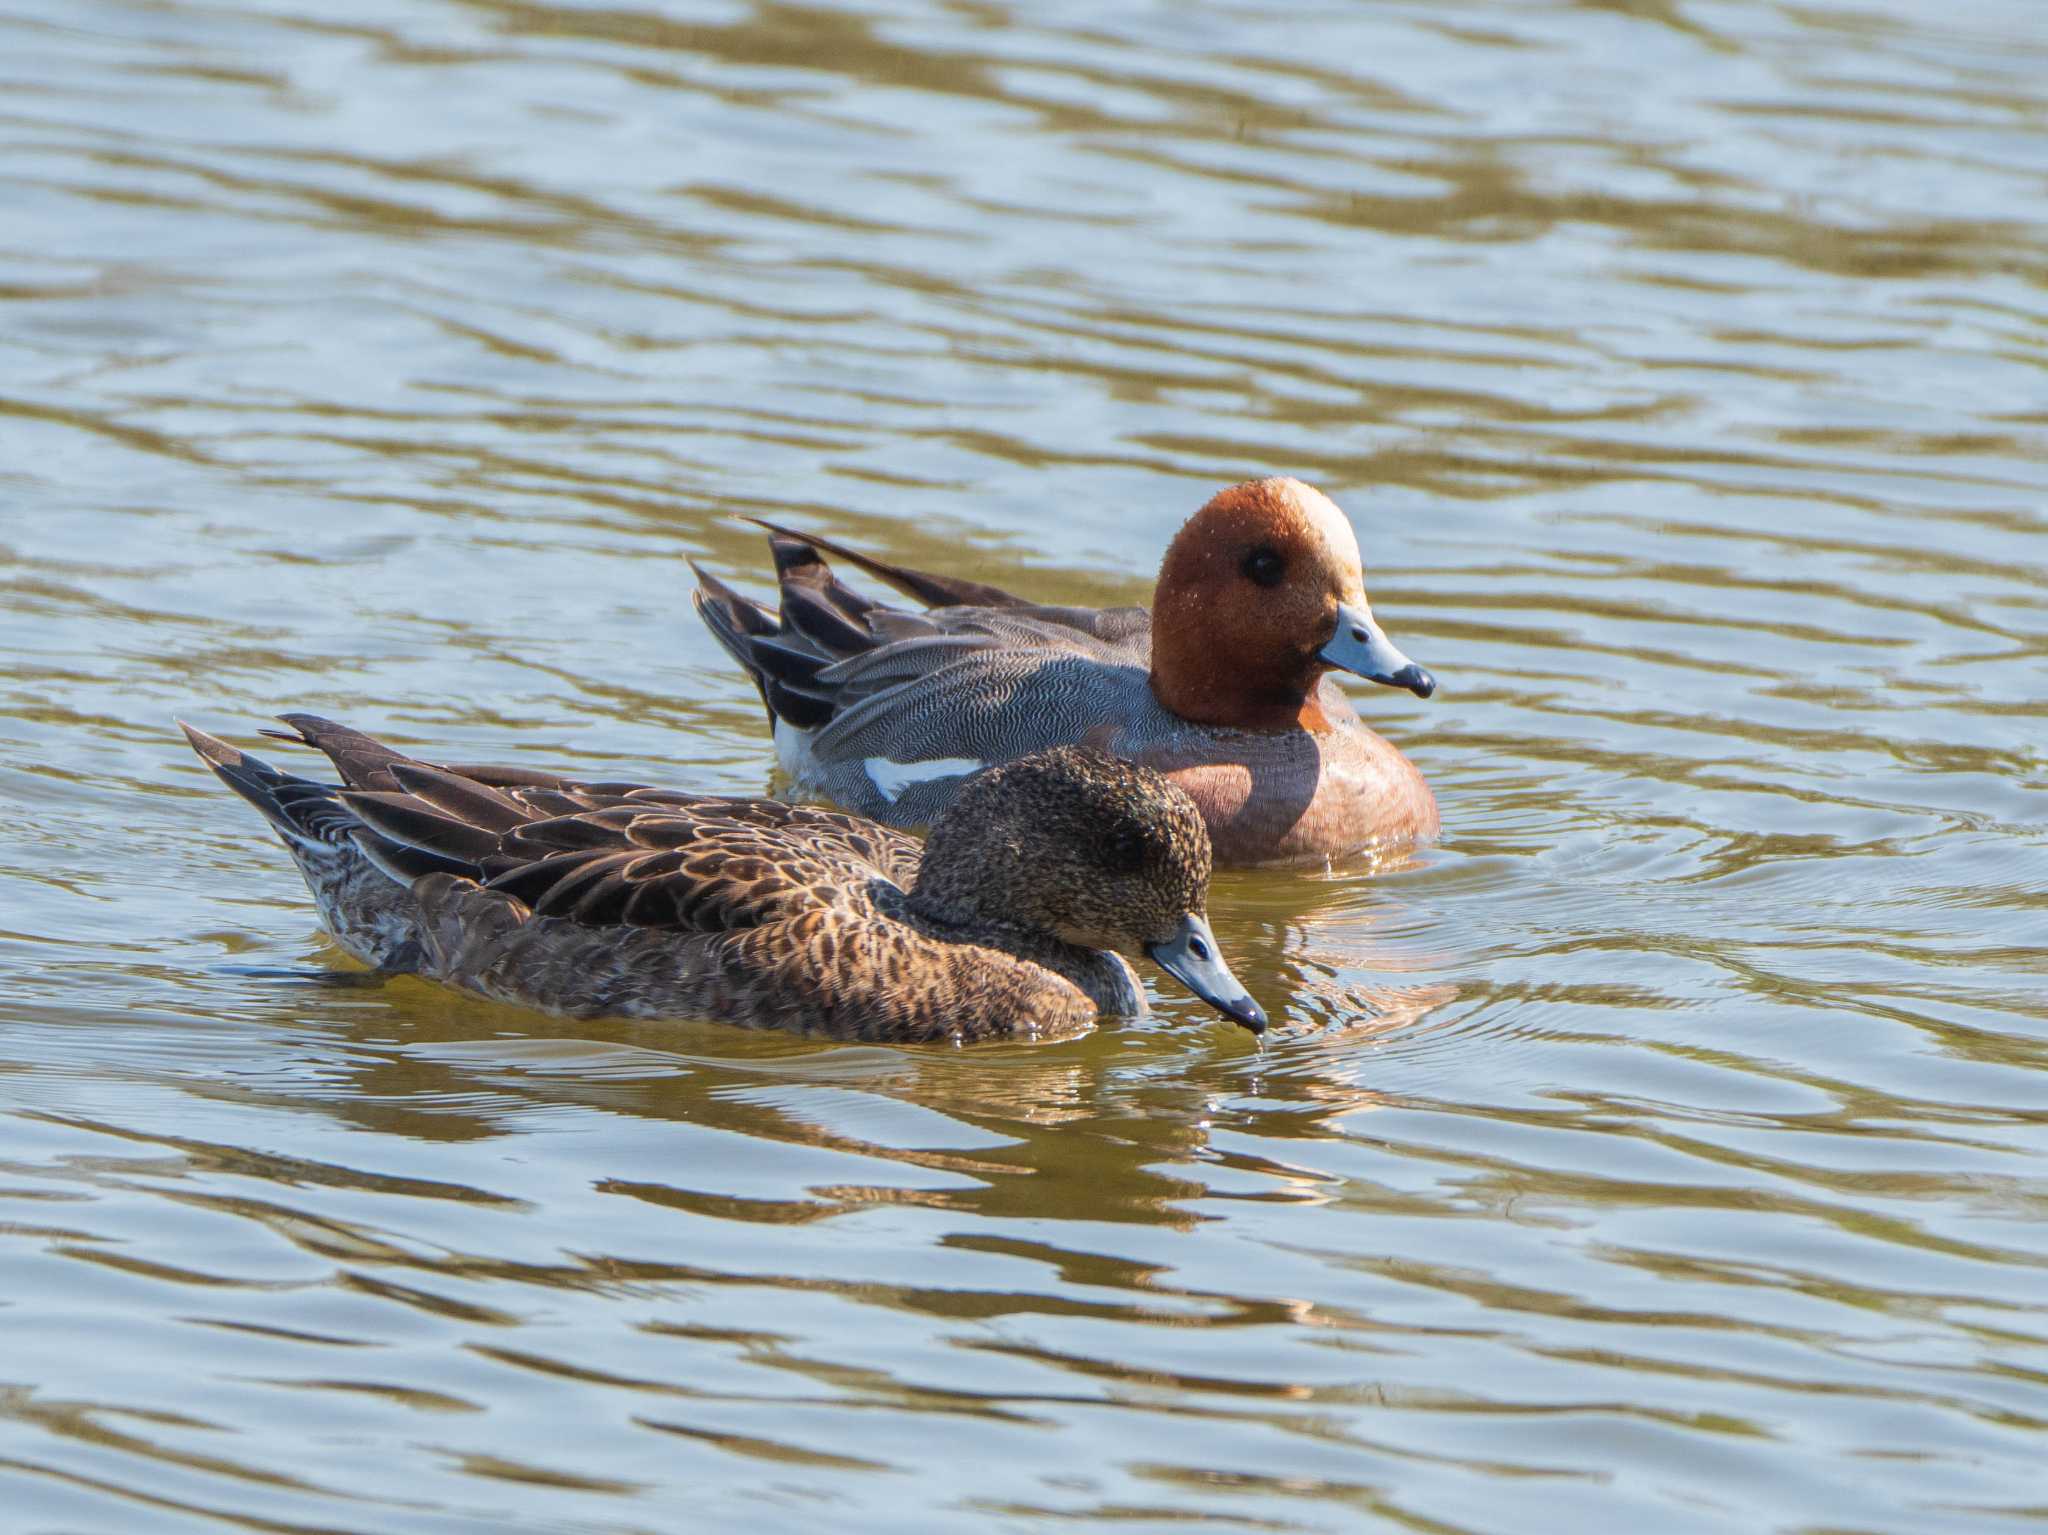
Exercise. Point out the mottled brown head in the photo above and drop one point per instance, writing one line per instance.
(1260, 594)
(1081, 846)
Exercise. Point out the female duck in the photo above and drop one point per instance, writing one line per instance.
(611, 899)
(1222, 686)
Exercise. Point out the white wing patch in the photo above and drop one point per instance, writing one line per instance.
(893, 777)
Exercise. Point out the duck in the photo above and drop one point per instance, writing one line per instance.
(1223, 685)
(592, 900)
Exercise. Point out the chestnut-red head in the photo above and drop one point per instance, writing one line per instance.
(1260, 594)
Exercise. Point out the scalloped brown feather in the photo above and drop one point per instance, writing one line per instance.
(624, 900)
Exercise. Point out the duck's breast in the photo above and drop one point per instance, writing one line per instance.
(1296, 796)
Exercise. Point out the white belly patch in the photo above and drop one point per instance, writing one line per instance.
(893, 777)
(793, 749)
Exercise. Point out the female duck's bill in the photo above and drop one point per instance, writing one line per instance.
(615, 900)
(1194, 958)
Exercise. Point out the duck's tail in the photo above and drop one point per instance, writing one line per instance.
(774, 656)
(796, 551)
(822, 621)
(359, 881)
(309, 816)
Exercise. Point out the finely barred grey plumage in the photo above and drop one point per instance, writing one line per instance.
(977, 684)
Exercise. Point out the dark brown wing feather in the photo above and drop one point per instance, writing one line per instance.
(362, 762)
(710, 867)
(601, 900)
(608, 853)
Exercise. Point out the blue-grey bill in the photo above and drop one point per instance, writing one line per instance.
(1193, 958)
(1360, 645)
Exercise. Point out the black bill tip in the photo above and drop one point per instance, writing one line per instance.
(1415, 679)
(1245, 1011)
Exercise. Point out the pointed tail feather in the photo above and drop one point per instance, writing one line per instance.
(363, 763)
(789, 655)
(754, 637)
(743, 613)
(934, 591)
(301, 811)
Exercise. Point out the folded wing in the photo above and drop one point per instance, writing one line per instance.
(830, 652)
(604, 854)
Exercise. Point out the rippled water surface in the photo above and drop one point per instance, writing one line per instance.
(1662, 1151)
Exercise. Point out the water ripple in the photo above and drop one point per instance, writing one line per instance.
(1664, 1145)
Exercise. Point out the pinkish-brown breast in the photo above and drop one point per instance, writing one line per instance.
(1294, 796)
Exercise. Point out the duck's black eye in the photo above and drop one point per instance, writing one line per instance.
(1264, 567)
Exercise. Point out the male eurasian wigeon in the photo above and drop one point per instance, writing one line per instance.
(616, 900)
(1222, 686)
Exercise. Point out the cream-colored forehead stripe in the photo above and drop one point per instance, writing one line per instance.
(1330, 525)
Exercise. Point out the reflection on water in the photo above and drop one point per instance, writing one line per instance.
(1665, 1146)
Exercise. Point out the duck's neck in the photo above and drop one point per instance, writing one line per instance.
(1104, 978)
(1202, 687)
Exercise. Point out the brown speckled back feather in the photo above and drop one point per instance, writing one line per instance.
(613, 899)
